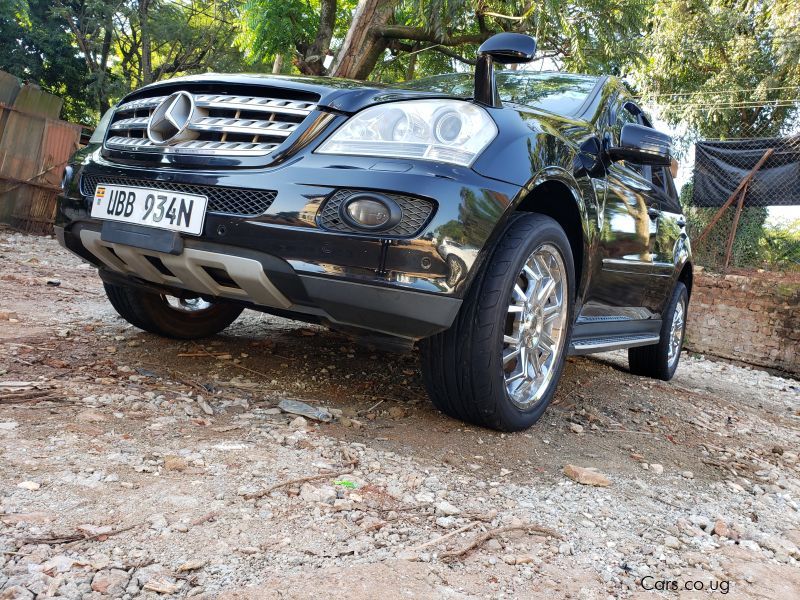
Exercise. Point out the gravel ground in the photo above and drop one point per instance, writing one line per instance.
(138, 467)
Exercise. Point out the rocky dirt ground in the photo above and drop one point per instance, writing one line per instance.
(138, 467)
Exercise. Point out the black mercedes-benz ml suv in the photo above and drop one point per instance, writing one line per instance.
(502, 220)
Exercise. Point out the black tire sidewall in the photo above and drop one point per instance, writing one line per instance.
(667, 370)
(543, 230)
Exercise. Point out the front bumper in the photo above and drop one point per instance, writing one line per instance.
(283, 260)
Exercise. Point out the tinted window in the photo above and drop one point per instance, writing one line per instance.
(663, 182)
(560, 93)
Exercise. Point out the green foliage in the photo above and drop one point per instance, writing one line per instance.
(275, 26)
(780, 245)
(721, 67)
(36, 49)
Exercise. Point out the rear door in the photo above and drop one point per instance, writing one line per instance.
(670, 235)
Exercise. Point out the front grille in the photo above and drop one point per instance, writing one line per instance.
(416, 213)
(233, 201)
(220, 124)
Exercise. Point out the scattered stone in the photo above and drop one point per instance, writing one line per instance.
(298, 423)
(110, 581)
(192, 565)
(89, 416)
(687, 474)
(175, 463)
(672, 542)
(586, 476)
(8, 425)
(657, 468)
(721, 528)
(446, 509)
(162, 586)
(575, 428)
(31, 486)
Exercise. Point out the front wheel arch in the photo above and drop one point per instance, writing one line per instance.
(557, 200)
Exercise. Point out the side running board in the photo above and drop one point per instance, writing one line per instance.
(601, 334)
(607, 343)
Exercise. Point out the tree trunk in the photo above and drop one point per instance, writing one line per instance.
(363, 46)
(277, 66)
(147, 65)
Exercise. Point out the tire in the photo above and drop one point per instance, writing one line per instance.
(660, 361)
(463, 367)
(153, 312)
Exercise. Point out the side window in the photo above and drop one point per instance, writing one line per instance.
(663, 182)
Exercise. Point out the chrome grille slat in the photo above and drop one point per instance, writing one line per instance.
(221, 124)
(249, 126)
(253, 103)
(193, 146)
(138, 104)
(132, 123)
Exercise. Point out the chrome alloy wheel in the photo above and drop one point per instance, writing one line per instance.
(676, 333)
(190, 305)
(535, 325)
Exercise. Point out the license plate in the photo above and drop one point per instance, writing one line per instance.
(163, 209)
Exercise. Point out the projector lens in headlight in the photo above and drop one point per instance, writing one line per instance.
(449, 131)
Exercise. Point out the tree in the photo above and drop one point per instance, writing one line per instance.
(592, 35)
(723, 67)
(40, 49)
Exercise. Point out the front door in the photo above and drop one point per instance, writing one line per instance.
(623, 274)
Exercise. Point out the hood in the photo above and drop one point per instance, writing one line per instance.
(341, 95)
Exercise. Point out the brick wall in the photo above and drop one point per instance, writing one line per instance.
(753, 318)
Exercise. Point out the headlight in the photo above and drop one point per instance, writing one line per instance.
(451, 131)
(99, 132)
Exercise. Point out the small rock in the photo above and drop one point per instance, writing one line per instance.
(586, 476)
(175, 463)
(721, 528)
(575, 428)
(687, 474)
(509, 559)
(565, 548)
(672, 542)
(298, 423)
(110, 581)
(192, 565)
(29, 485)
(657, 468)
(7, 315)
(525, 559)
(447, 509)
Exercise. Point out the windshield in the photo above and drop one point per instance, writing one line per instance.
(561, 93)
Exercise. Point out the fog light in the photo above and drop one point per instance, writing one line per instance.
(371, 211)
(368, 213)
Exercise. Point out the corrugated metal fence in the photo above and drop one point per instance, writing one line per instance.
(34, 149)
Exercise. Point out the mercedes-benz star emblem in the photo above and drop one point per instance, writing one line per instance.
(170, 120)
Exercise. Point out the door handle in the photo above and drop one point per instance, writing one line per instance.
(653, 213)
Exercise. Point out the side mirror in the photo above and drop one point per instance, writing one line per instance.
(642, 145)
(505, 48)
